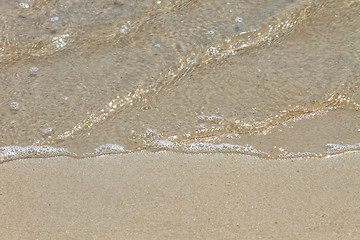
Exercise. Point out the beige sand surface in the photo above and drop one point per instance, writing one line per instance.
(177, 196)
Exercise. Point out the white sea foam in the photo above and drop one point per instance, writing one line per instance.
(13, 152)
(332, 148)
(204, 147)
(298, 155)
(163, 145)
(16, 152)
(210, 118)
(110, 149)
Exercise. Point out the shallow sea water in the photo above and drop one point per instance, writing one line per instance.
(274, 79)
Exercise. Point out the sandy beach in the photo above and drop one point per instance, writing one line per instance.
(180, 196)
(211, 84)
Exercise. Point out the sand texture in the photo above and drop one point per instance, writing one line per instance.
(179, 196)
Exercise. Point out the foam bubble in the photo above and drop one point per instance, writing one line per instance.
(48, 131)
(14, 106)
(34, 69)
(238, 19)
(54, 19)
(24, 5)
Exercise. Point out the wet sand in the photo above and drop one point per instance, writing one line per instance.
(180, 196)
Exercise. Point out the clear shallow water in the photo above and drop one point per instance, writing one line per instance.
(266, 78)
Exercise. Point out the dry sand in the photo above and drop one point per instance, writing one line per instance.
(177, 196)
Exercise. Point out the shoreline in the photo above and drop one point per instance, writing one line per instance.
(169, 195)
